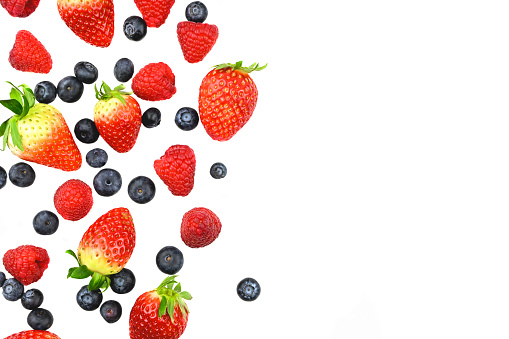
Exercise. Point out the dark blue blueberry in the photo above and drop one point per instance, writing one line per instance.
(12, 289)
(97, 157)
(169, 260)
(141, 190)
(151, 118)
(70, 89)
(45, 222)
(40, 319)
(32, 299)
(122, 282)
(107, 182)
(248, 289)
(124, 70)
(218, 170)
(111, 311)
(196, 11)
(135, 28)
(3, 177)
(86, 72)
(2, 278)
(22, 174)
(89, 300)
(187, 118)
(45, 92)
(86, 131)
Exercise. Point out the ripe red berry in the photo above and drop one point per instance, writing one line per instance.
(73, 200)
(200, 227)
(26, 263)
(155, 12)
(33, 334)
(20, 8)
(29, 55)
(176, 169)
(196, 39)
(154, 82)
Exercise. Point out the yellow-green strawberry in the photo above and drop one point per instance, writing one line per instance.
(38, 132)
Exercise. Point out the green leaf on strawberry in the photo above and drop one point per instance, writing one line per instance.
(81, 272)
(171, 297)
(12, 105)
(16, 137)
(16, 95)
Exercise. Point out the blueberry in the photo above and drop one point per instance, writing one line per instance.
(45, 92)
(169, 260)
(3, 177)
(248, 289)
(12, 289)
(218, 170)
(2, 278)
(135, 28)
(40, 319)
(22, 174)
(89, 300)
(70, 89)
(151, 118)
(122, 282)
(86, 72)
(45, 223)
(97, 158)
(124, 70)
(187, 118)
(86, 131)
(196, 12)
(32, 299)
(141, 190)
(111, 311)
(107, 182)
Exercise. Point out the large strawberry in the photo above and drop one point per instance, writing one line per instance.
(117, 116)
(20, 8)
(105, 248)
(161, 313)
(92, 20)
(38, 132)
(33, 334)
(155, 12)
(227, 99)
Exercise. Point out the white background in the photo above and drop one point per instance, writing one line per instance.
(367, 194)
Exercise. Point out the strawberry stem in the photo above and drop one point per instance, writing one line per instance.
(171, 297)
(238, 66)
(105, 92)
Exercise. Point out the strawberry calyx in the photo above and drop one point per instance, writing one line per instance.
(98, 280)
(20, 102)
(238, 67)
(105, 92)
(171, 297)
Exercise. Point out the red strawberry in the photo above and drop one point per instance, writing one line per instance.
(196, 39)
(29, 55)
(105, 248)
(161, 313)
(26, 263)
(200, 227)
(155, 12)
(34, 334)
(117, 116)
(73, 200)
(176, 169)
(154, 82)
(227, 99)
(92, 20)
(20, 8)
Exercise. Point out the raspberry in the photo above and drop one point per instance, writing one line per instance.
(29, 55)
(176, 169)
(196, 39)
(26, 263)
(73, 200)
(200, 227)
(154, 13)
(20, 8)
(154, 82)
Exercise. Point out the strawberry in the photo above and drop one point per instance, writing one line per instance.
(227, 99)
(117, 116)
(154, 12)
(161, 313)
(92, 20)
(26, 263)
(176, 169)
(33, 334)
(196, 39)
(38, 132)
(200, 227)
(105, 248)
(73, 200)
(154, 82)
(29, 55)
(20, 8)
